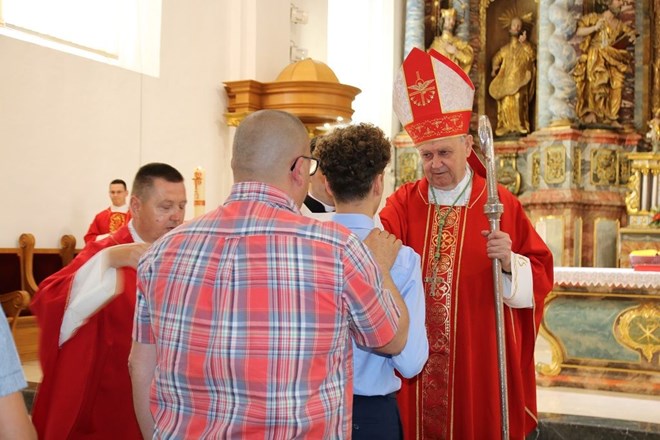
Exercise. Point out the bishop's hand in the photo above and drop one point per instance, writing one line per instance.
(498, 245)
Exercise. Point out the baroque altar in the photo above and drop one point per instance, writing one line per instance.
(578, 118)
(603, 326)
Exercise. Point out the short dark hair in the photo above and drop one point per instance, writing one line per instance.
(144, 179)
(351, 158)
(119, 182)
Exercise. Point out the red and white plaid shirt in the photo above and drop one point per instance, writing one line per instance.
(251, 308)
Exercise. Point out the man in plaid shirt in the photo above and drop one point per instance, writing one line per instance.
(244, 316)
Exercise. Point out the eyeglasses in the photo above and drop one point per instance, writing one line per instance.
(313, 164)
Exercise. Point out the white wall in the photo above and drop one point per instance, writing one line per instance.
(69, 125)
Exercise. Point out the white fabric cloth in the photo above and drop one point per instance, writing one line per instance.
(606, 278)
(94, 284)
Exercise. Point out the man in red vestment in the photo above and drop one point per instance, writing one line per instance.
(85, 314)
(112, 218)
(442, 217)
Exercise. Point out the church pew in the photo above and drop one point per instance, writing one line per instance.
(21, 270)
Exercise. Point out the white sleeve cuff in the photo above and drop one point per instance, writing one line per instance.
(518, 288)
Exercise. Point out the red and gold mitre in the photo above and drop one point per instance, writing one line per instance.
(432, 97)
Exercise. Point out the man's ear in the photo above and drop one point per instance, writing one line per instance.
(134, 205)
(469, 142)
(379, 184)
(298, 174)
(327, 187)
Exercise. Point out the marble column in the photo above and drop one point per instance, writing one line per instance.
(556, 59)
(463, 15)
(414, 33)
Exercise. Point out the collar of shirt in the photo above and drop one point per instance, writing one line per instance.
(327, 208)
(123, 208)
(360, 224)
(134, 234)
(447, 197)
(261, 192)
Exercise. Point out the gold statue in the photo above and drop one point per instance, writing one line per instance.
(513, 82)
(632, 197)
(601, 69)
(452, 47)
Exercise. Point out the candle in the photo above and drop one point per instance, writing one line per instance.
(199, 198)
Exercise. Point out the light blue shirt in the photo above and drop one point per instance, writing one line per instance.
(374, 372)
(11, 372)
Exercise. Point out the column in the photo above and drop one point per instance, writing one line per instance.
(414, 33)
(556, 59)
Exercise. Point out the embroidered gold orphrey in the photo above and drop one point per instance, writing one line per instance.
(117, 220)
(437, 285)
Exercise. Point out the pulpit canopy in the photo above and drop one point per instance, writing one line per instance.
(308, 89)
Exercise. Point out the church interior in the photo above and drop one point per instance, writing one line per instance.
(572, 90)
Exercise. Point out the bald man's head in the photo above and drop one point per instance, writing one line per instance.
(266, 144)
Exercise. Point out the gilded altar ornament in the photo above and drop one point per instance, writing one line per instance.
(555, 164)
(624, 167)
(514, 73)
(639, 328)
(557, 358)
(653, 134)
(601, 68)
(603, 167)
(407, 165)
(632, 197)
(449, 45)
(577, 166)
(536, 169)
(507, 173)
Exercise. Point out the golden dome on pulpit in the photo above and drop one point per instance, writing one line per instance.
(308, 89)
(307, 70)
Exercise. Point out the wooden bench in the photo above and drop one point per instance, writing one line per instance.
(21, 271)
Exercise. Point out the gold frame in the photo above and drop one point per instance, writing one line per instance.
(556, 173)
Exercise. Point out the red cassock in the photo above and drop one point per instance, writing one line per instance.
(86, 388)
(456, 396)
(106, 222)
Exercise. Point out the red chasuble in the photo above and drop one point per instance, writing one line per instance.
(456, 396)
(86, 390)
(106, 222)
